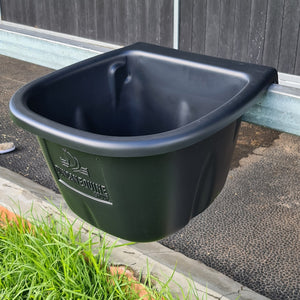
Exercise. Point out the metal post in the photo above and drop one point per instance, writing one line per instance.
(0, 11)
(176, 13)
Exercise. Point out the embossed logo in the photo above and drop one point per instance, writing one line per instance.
(81, 185)
(70, 161)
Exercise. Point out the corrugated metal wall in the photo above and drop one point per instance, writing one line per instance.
(259, 31)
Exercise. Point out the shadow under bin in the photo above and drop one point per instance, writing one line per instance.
(139, 140)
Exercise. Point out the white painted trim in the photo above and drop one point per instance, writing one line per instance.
(176, 15)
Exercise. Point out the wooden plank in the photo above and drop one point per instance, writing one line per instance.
(153, 26)
(148, 26)
(109, 25)
(5, 10)
(149, 21)
(29, 13)
(141, 32)
(55, 14)
(199, 26)
(257, 31)
(212, 27)
(41, 7)
(18, 9)
(113, 20)
(227, 17)
(132, 21)
(68, 16)
(289, 37)
(241, 30)
(61, 16)
(81, 17)
(166, 22)
(121, 21)
(91, 23)
(185, 31)
(273, 33)
(100, 32)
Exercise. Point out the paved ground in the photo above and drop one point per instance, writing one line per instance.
(27, 159)
(250, 233)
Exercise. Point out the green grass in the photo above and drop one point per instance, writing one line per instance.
(50, 260)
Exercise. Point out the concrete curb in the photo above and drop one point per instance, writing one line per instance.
(26, 197)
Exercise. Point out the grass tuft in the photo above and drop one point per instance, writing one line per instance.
(48, 259)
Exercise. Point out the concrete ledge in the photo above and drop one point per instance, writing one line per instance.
(278, 109)
(21, 195)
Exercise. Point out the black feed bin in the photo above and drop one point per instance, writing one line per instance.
(139, 140)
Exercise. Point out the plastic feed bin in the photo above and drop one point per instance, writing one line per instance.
(139, 140)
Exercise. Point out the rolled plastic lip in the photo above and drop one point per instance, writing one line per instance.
(7, 147)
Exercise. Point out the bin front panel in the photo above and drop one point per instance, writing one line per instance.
(142, 198)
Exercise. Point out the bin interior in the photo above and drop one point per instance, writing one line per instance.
(134, 94)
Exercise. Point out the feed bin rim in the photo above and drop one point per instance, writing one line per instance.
(257, 79)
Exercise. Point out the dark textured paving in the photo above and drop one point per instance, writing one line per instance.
(27, 159)
(252, 230)
(250, 233)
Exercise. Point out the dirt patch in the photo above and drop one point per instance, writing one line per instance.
(251, 137)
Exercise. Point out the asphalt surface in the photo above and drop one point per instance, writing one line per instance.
(250, 233)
